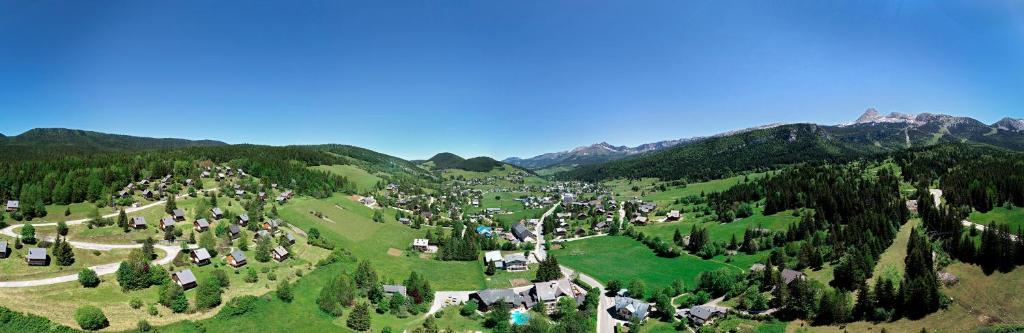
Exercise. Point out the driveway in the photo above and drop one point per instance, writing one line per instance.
(447, 298)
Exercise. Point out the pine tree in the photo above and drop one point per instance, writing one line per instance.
(263, 250)
(170, 206)
(359, 320)
(122, 221)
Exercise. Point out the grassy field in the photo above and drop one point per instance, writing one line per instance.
(55, 213)
(891, 261)
(625, 259)
(14, 267)
(351, 225)
(978, 300)
(623, 188)
(723, 232)
(1013, 217)
(363, 180)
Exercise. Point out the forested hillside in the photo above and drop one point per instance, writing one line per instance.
(446, 160)
(60, 141)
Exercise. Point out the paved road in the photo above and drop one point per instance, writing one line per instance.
(937, 194)
(171, 252)
(605, 321)
(539, 253)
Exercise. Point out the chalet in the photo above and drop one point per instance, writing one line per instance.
(200, 257)
(395, 289)
(521, 233)
(189, 182)
(37, 257)
(166, 223)
(204, 174)
(279, 253)
(494, 257)
(580, 232)
(217, 213)
(179, 215)
(289, 238)
(757, 268)
(647, 208)
(550, 292)
(475, 202)
(568, 198)
(243, 219)
(234, 230)
(493, 211)
(789, 275)
(261, 235)
(236, 259)
(272, 225)
(404, 220)
(4, 250)
(262, 196)
(12, 205)
(391, 187)
(630, 308)
(138, 222)
(185, 279)
(148, 194)
(166, 178)
(124, 193)
(239, 193)
(221, 176)
(673, 216)
(515, 262)
(640, 220)
(703, 314)
(560, 232)
(912, 206)
(601, 226)
(427, 215)
(489, 298)
(288, 194)
(420, 244)
(201, 225)
(369, 201)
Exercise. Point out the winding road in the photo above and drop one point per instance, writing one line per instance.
(171, 251)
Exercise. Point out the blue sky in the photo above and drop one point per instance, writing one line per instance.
(497, 78)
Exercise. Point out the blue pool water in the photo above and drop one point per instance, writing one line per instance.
(520, 317)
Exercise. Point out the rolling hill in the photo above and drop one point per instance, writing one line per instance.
(787, 144)
(63, 140)
(447, 160)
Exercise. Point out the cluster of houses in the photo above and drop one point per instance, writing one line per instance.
(547, 293)
(149, 189)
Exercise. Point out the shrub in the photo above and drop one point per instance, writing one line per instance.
(90, 318)
(152, 310)
(143, 326)
(208, 294)
(222, 278)
(239, 306)
(250, 276)
(135, 303)
(88, 278)
(284, 291)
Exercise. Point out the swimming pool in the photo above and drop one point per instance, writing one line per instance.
(520, 317)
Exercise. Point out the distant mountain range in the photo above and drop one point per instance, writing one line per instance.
(604, 152)
(774, 146)
(81, 141)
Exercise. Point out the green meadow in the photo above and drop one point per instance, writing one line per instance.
(385, 244)
(363, 180)
(625, 259)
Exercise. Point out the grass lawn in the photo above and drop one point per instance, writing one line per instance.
(363, 180)
(352, 226)
(1013, 217)
(505, 279)
(625, 259)
(977, 301)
